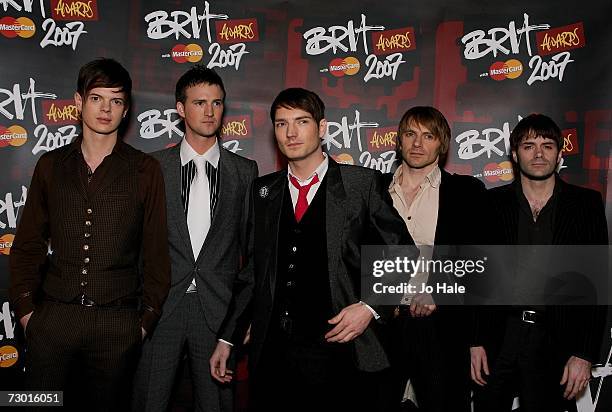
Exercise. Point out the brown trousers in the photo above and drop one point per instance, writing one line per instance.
(90, 353)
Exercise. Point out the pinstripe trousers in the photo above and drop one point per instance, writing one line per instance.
(184, 330)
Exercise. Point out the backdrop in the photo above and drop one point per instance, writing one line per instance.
(483, 66)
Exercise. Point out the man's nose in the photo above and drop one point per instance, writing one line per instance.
(291, 130)
(418, 141)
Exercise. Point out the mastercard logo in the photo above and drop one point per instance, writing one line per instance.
(347, 66)
(344, 158)
(192, 53)
(6, 241)
(510, 69)
(12, 27)
(495, 172)
(13, 136)
(8, 356)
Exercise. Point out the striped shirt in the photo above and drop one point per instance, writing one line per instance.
(188, 172)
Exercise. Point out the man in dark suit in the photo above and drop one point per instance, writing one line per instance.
(95, 209)
(438, 208)
(206, 187)
(542, 352)
(314, 343)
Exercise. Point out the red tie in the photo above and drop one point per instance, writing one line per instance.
(302, 203)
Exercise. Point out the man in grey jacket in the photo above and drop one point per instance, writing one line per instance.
(207, 187)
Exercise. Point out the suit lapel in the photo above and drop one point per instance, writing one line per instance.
(226, 186)
(563, 215)
(273, 204)
(442, 223)
(173, 193)
(335, 215)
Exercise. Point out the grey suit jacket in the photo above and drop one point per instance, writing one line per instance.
(224, 249)
(359, 212)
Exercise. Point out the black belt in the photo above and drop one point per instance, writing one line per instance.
(131, 302)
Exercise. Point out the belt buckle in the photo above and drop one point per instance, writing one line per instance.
(85, 301)
(528, 316)
(286, 324)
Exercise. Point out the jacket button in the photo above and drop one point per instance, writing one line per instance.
(88, 223)
(83, 283)
(84, 271)
(87, 234)
(86, 260)
(85, 247)
(89, 211)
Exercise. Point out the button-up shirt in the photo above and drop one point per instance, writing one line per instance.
(421, 216)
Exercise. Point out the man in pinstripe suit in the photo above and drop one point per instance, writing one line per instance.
(207, 187)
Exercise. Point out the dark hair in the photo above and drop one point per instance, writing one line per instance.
(198, 74)
(535, 125)
(431, 118)
(298, 98)
(107, 73)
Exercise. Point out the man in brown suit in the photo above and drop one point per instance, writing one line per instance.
(95, 211)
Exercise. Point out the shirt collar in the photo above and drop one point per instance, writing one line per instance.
(211, 155)
(120, 148)
(320, 171)
(433, 178)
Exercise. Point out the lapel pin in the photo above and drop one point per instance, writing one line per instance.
(263, 191)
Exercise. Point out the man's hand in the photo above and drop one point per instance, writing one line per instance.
(422, 305)
(24, 320)
(479, 363)
(218, 363)
(350, 323)
(576, 375)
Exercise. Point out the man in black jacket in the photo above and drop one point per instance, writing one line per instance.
(314, 342)
(438, 208)
(542, 352)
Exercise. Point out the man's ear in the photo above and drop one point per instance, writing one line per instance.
(180, 108)
(78, 101)
(514, 157)
(322, 128)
